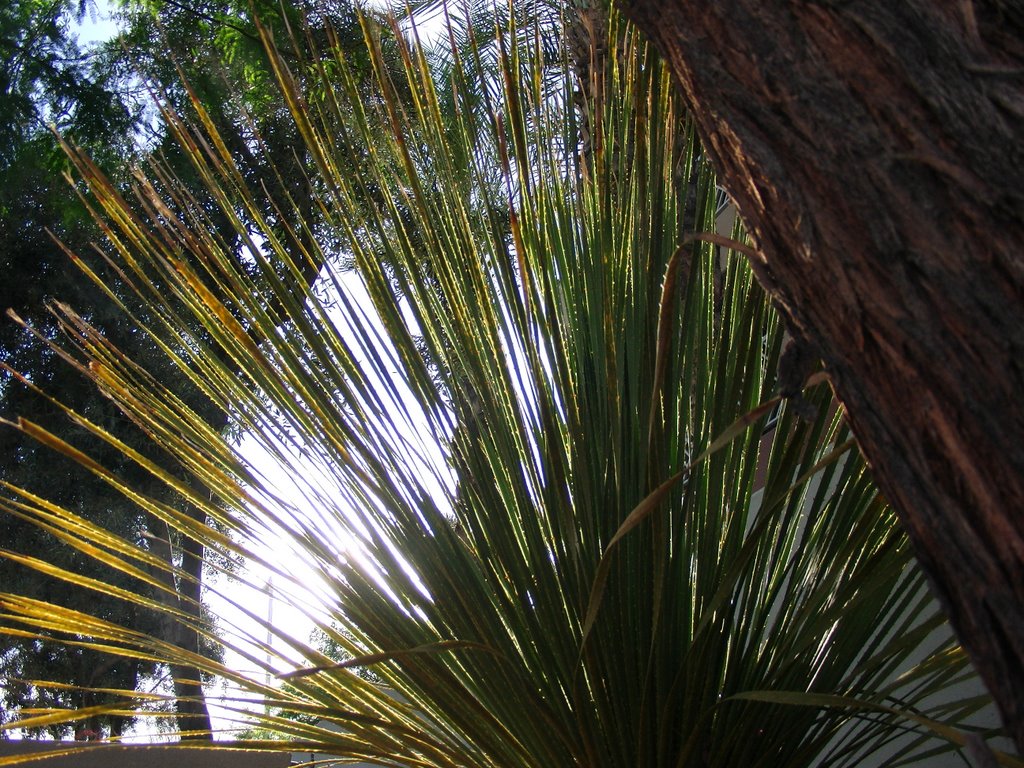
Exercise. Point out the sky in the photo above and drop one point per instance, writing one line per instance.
(97, 26)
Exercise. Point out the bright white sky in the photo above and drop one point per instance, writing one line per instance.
(97, 25)
(290, 605)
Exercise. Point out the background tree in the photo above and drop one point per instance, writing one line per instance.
(873, 150)
(48, 79)
(52, 82)
(42, 203)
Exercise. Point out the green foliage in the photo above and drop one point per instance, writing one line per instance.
(49, 79)
(46, 78)
(528, 480)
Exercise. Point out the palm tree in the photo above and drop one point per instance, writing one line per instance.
(532, 484)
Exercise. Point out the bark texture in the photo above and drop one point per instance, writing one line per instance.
(876, 151)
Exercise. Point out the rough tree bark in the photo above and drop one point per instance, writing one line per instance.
(876, 151)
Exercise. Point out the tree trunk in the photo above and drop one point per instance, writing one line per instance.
(192, 713)
(876, 152)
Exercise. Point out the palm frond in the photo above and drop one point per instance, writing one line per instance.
(532, 485)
